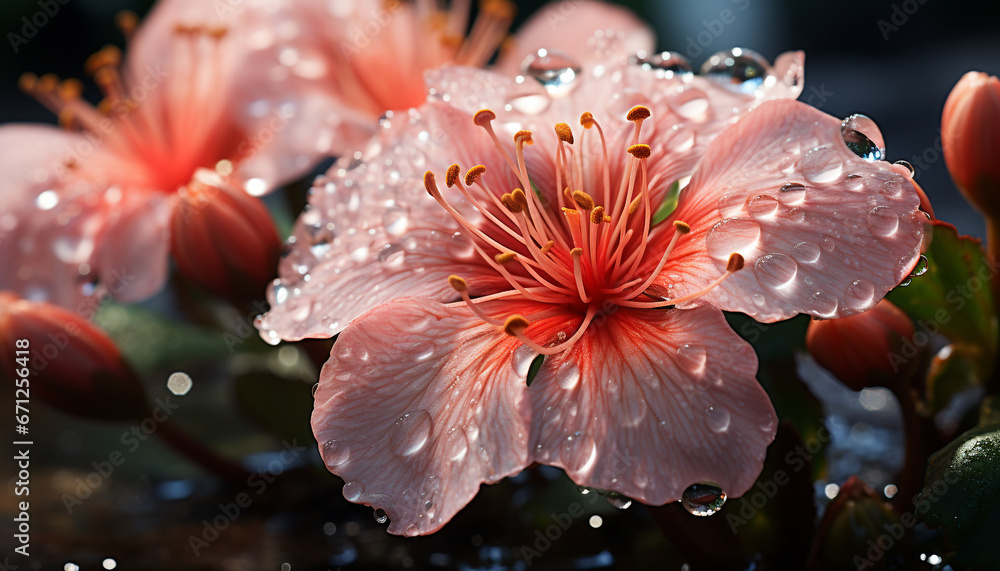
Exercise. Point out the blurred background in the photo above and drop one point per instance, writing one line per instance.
(893, 60)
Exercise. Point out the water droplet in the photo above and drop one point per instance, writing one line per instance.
(692, 359)
(530, 104)
(456, 444)
(732, 235)
(863, 137)
(791, 193)
(410, 432)
(633, 411)
(821, 165)
(882, 221)
(380, 516)
(353, 491)
(806, 252)
(797, 215)
(392, 255)
(578, 451)
(908, 167)
(776, 271)
(738, 69)
(555, 70)
(617, 500)
(731, 204)
(569, 377)
(335, 453)
(860, 294)
(921, 267)
(823, 304)
(690, 103)
(395, 221)
(664, 64)
(717, 419)
(854, 182)
(762, 205)
(359, 254)
(703, 499)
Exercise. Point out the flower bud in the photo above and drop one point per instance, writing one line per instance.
(69, 363)
(223, 239)
(866, 349)
(859, 531)
(970, 137)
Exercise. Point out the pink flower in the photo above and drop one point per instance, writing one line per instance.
(87, 209)
(356, 59)
(540, 237)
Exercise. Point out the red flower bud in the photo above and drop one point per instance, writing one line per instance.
(862, 350)
(69, 363)
(970, 137)
(224, 239)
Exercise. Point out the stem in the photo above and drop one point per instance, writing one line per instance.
(993, 251)
(911, 477)
(197, 452)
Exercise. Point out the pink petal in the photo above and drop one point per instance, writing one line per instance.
(831, 247)
(570, 27)
(651, 402)
(419, 405)
(134, 248)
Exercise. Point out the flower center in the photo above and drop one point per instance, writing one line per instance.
(165, 123)
(588, 254)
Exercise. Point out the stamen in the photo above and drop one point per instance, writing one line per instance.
(463, 289)
(548, 246)
(578, 272)
(472, 174)
(505, 257)
(451, 177)
(564, 133)
(583, 200)
(516, 325)
(638, 113)
(640, 151)
(680, 229)
(734, 265)
(597, 215)
(127, 21)
(512, 205)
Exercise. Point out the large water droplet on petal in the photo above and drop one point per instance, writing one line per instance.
(690, 103)
(578, 451)
(692, 359)
(380, 516)
(882, 221)
(791, 193)
(806, 252)
(863, 138)
(617, 500)
(776, 271)
(821, 165)
(717, 418)
(738, 69)
(555, 70)
(664, 64)
(392, 255)
(569, 377)
(860, 294)
(353, 491)
(703, 499)
(762, 205)
(410, 432)
(732, 235)
(335, 453)
(455, 444)
(824, 304)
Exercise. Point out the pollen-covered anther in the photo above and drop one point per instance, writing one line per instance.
(483, 117)
(511, 204)
(576, 252)
(564, 133)
(127, 21)
(472, 174)
(548, 246)
(498, 8)
(735, 263)
(515, 325)
(451, 177)
(587, 119)
(108, 56)
(518, 196)
(681, 227)
(634, 205)
(28, 82)
(505, 257)
(458, 283)
(523, 138)
(217, 33)
(640, 151)
(638, 113)
(431, 185)
(583, 200)
(597, 215)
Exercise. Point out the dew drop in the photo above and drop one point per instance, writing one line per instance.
(395, 222)
(380, 516)
(821, 165)
(692, 359)
(353, 491)
(335, 453)
(530, 104)
(797, 215)
(732, 235)
(882, 221)
(860, 294)
(717, 419)
(824, 304)
(762, 205)
(791, 193)
(410, 432)
(569, 377)
(731, 204)
(921, 267)
(664, 64)
(863, 138)
(776, 271)
(617, 500)
(854, 182)
(555, 70)
(703, 499)
(690, 103)
(456, 444)
(392, 255)
(738, 69)
(578, 451)
(906, 165)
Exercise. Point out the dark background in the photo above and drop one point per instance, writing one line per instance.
(893, 60)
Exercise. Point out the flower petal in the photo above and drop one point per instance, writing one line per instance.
(822, 230)
(651, 402)
(570, 27)
(418, 405)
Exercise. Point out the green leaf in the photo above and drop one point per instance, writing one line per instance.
(669, 203)
(953, 298)
(962, 495)
(280, 406)
(536, 365)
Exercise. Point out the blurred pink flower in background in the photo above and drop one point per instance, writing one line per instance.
(443, 301)
(87, 209)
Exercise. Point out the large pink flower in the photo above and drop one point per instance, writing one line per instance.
(353, 60)
(466, 242)
(87, 208)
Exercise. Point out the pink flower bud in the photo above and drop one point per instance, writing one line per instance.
(970, 136)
